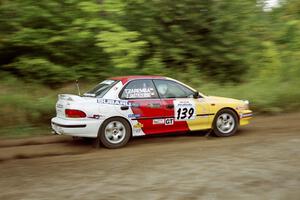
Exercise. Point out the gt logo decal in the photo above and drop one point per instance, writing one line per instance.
(184, 110)
(169, 121)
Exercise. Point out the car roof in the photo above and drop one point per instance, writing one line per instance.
(125, 79)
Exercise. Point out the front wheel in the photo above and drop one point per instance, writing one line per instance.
(225, 123)
(114, 133)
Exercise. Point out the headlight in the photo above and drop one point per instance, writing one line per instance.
(246, 106)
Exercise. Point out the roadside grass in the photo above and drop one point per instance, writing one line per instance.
(23, 131)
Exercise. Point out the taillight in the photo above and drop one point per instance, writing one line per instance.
(74, 113)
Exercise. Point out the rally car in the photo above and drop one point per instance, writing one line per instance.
(123, 107)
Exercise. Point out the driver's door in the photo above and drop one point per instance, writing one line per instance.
(182, 112)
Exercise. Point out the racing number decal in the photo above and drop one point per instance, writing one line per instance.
(184, 110)
(184, 113)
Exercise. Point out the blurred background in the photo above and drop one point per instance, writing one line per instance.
(245, 49)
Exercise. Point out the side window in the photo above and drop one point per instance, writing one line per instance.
(139, 89)
(171, 89)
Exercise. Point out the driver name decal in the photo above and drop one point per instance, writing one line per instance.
(139, 93)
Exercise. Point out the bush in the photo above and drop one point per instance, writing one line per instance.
(41, 70)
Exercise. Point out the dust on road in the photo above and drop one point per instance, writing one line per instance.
(261, 162)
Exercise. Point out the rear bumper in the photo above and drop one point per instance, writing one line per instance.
(75, 127)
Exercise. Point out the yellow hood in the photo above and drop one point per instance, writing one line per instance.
(215, 99)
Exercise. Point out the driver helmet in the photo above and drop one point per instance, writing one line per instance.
(162, 89)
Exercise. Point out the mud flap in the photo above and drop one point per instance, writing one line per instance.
(208, 133)
(97, 143)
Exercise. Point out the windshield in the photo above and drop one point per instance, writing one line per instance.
(101, 89)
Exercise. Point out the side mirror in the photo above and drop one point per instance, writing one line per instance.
(196, 95)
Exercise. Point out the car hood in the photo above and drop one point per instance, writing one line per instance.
(216, 99)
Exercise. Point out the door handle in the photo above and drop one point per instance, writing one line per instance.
(170, 106)
(124, 107)
(154, 105)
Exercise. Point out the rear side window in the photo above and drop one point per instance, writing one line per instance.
(101, 89)
(139, 89)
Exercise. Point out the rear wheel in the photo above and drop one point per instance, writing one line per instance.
(114, 133)
(225, 123)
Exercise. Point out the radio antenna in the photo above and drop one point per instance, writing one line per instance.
(78, 89)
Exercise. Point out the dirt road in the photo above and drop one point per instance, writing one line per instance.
(261, 162)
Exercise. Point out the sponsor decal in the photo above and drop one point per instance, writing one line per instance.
(246, 115)
(138, 131)
(169, 121)
(134, 115)
(138, 125)
(158, 121)
(241, 107)
(114, 102)
(94, 116)
(59, 106)
(184, 110)
(139, 93)
(135, 105)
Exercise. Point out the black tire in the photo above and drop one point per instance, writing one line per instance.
(221, 130)
(109, 143)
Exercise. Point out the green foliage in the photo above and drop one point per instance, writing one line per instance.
(123, 46)
(42, 70)
(88, 39)
(74, 38)
(212, 36)
(75, 34)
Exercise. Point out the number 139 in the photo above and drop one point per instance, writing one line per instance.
(183, 113)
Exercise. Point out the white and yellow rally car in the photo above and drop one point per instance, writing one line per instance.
(123, 107)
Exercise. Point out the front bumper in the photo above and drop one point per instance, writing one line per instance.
(245, 117)
(76, 127)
